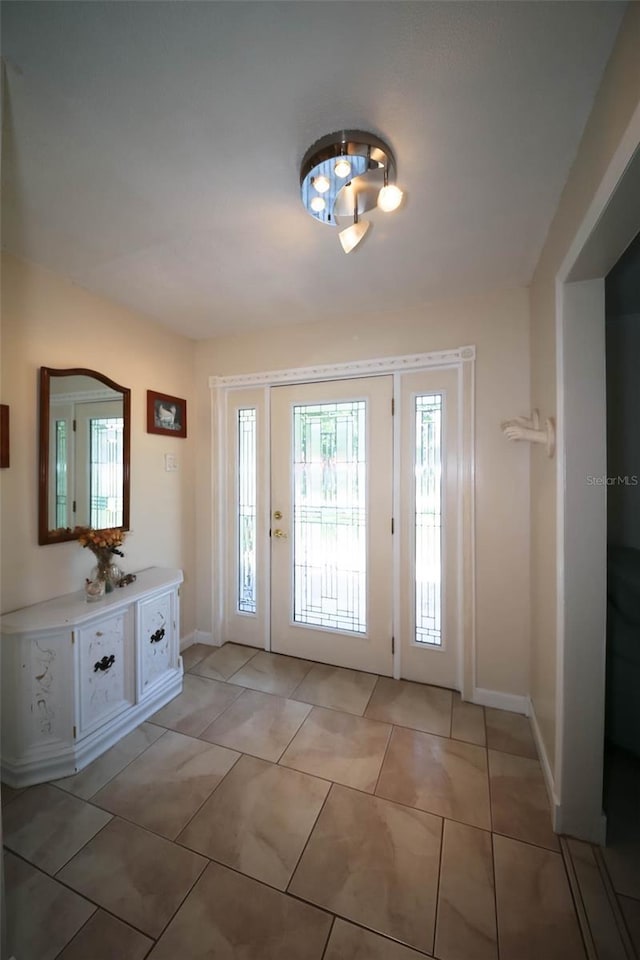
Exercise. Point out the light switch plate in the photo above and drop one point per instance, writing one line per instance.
(170, 462)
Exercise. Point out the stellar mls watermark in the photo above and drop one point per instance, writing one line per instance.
(628, 480)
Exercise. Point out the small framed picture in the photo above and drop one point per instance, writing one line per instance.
(166, 415)
(4, 435)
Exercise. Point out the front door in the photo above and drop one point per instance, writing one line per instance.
(331, 522)
(313, 568)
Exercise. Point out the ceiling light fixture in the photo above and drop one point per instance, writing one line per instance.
(351, 236)
(342, 168)
(390, 197)
(355, 172)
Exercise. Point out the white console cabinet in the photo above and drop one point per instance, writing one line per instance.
(78, 676)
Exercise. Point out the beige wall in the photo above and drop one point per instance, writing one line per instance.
(615, 103)
(498, 326)
(47, 321)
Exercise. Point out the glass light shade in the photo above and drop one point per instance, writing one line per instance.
(390, 198)
(342, 167)
(317, 204)
(321, 184)
(351, 237)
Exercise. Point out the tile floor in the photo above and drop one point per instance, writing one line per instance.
(283, 809)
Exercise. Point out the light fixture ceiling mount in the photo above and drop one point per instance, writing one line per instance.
(351, 171)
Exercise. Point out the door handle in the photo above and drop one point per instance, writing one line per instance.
(277, 515)
(279, 534)
(105, 664)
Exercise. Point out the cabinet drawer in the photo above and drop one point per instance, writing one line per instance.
(157, 639)
(105, 653)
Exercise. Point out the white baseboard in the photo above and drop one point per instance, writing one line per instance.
(592, 829)
(549, 779)
(187, 641)
(197, 636)
(501, 701)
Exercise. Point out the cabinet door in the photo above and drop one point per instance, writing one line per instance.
(105, 675)
(157, 639)
(37, 693)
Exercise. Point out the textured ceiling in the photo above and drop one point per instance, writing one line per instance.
(151, 150)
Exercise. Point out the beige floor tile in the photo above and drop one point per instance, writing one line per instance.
(200, 702)
(230, 917)
(631, 913)
(258, 723)
(466, 927)
(335, 687)
(519, 801)
(100, 771)
(348, 942)
(194, 654)
(163, 788)
(7, 793)
(106, 938)
(47, 827)
(602, 921)
(224, 661)
(376, 863)
(272, 673)
(339, 747)
(258, 820)
(137, 876)
(510, 733)
(536, 917)
(467, 721)
(445, 777)
(42, 915)
(411, 705)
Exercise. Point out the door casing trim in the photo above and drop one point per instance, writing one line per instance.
(354, 368)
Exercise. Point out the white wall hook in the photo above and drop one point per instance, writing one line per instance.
(528, 428)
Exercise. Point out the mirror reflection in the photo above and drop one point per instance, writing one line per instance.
(84, 466)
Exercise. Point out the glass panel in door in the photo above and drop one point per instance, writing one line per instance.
(430, 516)
(98, 472)
(330, 515)
(428, 519)
(246, 504)
(245, 519)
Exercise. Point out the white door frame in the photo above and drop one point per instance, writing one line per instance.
(611, 222)
(463, 361)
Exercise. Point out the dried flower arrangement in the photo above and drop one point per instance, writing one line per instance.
(104, 545)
